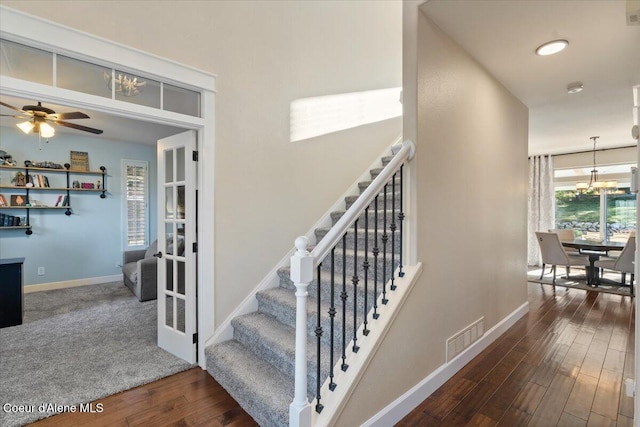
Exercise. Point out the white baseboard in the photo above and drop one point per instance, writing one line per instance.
(403, 405)
(71, 283)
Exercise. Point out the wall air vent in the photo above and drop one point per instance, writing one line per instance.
(463, 339)
(633, 17)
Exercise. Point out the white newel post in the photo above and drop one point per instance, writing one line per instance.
(301, 276)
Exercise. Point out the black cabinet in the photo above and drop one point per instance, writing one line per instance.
(11, 307)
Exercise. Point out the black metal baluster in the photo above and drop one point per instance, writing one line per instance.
(319, 406)
(355, 281)
(376, 252)
(365, 267)
(384, 248)
(343, 296)
(392, 227)
(401, 219)
(332, 315)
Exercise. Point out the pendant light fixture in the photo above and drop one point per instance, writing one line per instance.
(594, 181)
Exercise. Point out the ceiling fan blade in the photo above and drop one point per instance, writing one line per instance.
(79, 127)
(14, 116)
(67, 116)
(13, 108)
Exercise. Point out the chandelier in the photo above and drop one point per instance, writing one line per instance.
(124, 84)
(594, 181)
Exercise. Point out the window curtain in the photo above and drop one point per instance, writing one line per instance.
(541, 203)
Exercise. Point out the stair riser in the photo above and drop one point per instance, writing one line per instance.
(335, 217)
(285, 361)
(364, 185)
(325, 292)
(288, 318)
(371, 241)
(257, 409)
(350, 270)
(350, 200)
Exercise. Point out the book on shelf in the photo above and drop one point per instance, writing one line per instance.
(59, 200)
(65, 201)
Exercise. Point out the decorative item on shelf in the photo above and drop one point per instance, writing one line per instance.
(80, 161)
(3, 201)
(19, 180)
(45, 165)
(18, 200)
(595, 185)
(6, 159)
(76, 184)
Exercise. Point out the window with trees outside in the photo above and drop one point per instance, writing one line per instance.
(608, 215)
(135, 212)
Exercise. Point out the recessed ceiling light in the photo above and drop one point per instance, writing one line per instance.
(551, 47)
(575, 87)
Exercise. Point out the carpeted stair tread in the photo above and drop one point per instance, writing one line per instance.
(274, 341)
(281, 304)
(350, 200)
(265, 335)
(325, 277)
(261, 389)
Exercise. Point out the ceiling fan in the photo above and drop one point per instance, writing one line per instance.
(38, 119)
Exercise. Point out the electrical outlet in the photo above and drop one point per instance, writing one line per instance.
(40, 271)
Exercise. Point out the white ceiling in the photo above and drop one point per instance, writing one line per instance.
(603, 54)
(115, 128)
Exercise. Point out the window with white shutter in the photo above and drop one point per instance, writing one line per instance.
(135, 212)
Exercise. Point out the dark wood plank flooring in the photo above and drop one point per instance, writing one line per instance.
(563, 364)
(189, 398)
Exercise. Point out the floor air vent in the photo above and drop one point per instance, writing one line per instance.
(464, 338)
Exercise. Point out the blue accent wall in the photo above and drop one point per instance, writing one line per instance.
(88, 243)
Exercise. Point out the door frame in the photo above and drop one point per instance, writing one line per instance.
(50, 36)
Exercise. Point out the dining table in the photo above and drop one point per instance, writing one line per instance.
(594, 249)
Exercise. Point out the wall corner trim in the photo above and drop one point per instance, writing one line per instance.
(404, 404)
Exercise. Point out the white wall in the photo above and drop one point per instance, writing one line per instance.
(471, 164)
(266, 54)
(86, 244)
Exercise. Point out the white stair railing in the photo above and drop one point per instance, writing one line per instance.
(304, 263)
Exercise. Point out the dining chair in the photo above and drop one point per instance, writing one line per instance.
(623, 263)
(553, 253)
(566, 235)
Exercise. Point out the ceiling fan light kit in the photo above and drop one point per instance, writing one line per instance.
(39, 119)
(552, 47)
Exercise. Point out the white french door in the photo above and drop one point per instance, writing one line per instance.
(176, 245)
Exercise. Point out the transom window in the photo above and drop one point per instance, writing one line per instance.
(49, 68)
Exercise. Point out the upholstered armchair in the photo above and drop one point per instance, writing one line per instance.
(140, 271)
(554, 254)
(623, 263)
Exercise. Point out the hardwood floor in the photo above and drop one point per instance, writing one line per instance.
(562, 364)
(189, 398)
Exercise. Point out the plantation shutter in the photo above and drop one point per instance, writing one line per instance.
(136, 205)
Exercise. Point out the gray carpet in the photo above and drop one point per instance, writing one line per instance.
(102, 342)
(577, 280)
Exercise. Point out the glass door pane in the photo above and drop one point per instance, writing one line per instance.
(578, 211)
(621, 214)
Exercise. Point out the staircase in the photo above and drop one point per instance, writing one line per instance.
(257, 366)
